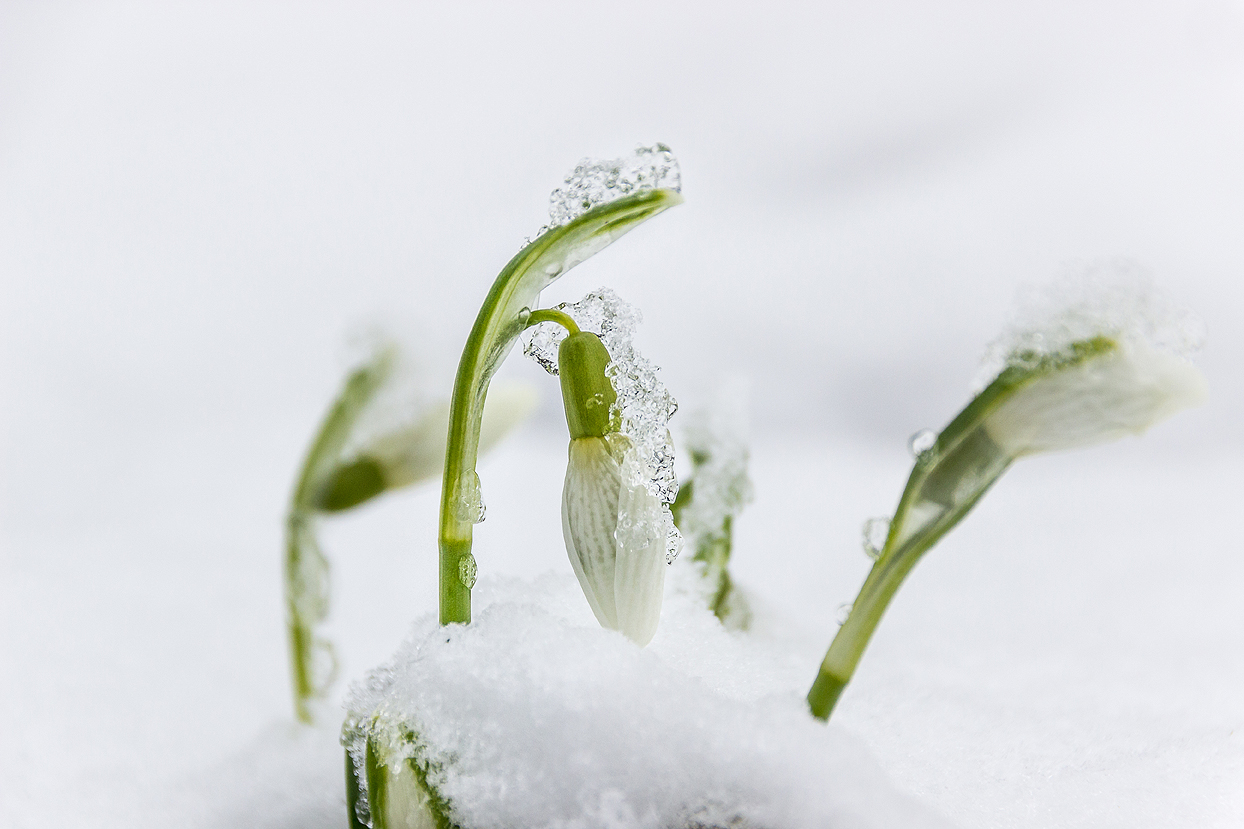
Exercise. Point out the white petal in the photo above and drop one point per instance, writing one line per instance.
(589, 522)
(1123, 391)
(640, 574)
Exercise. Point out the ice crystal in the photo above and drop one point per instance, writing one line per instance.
(595, 181)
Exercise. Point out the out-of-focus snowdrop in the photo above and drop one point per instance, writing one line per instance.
(384, 431)
(712, 496)
(414, 450)
(1111, 359)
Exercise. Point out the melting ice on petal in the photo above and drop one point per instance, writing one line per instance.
(644, 406)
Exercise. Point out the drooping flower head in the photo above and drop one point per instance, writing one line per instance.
(619, 480)
(1086, 362)
(1090, 361)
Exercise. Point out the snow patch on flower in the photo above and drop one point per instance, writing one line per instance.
(1117, 300)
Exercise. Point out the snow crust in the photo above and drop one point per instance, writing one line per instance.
(529, 717)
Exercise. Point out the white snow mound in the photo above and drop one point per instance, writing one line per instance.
(535, 716)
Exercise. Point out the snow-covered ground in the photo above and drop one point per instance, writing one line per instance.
(198, 202)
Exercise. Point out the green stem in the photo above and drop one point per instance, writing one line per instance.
(504, 314)
(553, 315)
(848, 646)
(299, 627)
(946, 482)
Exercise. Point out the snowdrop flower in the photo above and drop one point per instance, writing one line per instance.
(1098, 371)
(1088, 391)
(612, 525)
(1094, 391)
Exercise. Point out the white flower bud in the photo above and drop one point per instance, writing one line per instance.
(614, 530)
(1117, 389)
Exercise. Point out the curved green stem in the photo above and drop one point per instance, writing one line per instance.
(552, 315)
(946, 482)
(504, 314)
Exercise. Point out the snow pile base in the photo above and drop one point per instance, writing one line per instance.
(535, 716)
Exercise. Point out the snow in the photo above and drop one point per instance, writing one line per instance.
(533, 715)
(1064, 658)
(197, 201)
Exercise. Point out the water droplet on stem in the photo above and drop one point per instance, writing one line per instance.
(467, 570)
(875, 532)
(921, 442)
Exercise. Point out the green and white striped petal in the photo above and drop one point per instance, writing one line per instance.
(612, 530)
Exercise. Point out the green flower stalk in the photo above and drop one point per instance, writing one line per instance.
(386, 785)
(350, 462)
(1091, 390)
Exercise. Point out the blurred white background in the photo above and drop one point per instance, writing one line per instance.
(199, 201)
